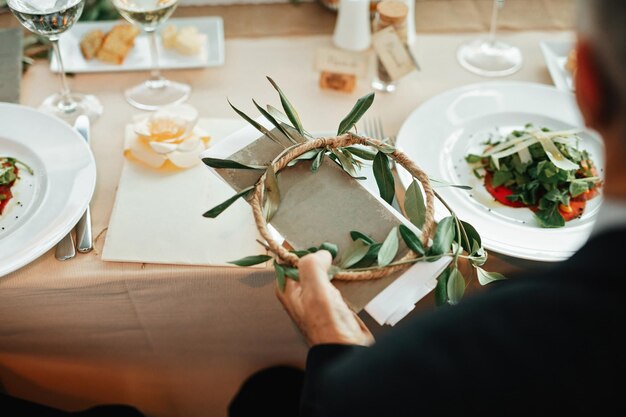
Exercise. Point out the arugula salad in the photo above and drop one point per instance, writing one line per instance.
(9, 174)
(543, 170)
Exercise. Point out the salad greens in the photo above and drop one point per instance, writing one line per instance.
(540, 169)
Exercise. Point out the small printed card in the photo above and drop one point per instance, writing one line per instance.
(341, 62)
(393, 53)
(10, 64)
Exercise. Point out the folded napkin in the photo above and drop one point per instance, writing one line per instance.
(157, 217)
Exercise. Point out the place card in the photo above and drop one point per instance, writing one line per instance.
(341, 62)
(393, 53)
(10, 64)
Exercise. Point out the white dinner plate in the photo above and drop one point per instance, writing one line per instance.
(47, 204)
(442, 131)
(555, 54)
(139, 59)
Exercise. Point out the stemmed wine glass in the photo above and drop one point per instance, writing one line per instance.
(156, 91)
(490, 57)
(50, 18)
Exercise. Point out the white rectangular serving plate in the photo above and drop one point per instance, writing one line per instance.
(139, 59)
(555, 54)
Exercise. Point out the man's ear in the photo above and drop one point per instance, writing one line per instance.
(592, 92)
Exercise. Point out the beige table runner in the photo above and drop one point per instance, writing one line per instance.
(175, 340)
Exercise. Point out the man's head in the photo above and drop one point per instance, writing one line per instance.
(601, 79)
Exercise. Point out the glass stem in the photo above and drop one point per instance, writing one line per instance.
(156, 79)
(497, 4)
(67, 105)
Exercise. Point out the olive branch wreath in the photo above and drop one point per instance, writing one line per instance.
(365, 258)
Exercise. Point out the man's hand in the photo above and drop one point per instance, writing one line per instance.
(317, 308)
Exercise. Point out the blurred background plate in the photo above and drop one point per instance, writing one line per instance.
(46, 205)
(555, 54)
(138, 59)
(441, 132)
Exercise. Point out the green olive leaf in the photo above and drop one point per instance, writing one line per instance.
(389, 249)
(217, 210)
(354, 253)
(358, 235)
(362, 153)
(291, 112)
(227, 163)
(279, 271)
(411, 240)
(317, 162)
(455, 286)
(271, 193)
(384, 177)
(441, 290)
(444, 235)
(359, 109)
(414, 205)
(274, 122)
(485, 277)
(258, 126)
(330, 247)
(251, 260)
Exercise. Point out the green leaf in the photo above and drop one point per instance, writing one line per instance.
(472, 235)
(389, 249)
(501, 177)
(227, 163)
(257, 126)
(550, 218)
(456, 286)
(291, 112)
(441, 290)
(279, 271)
(354, 253)
(307, 156)
(362, 153)
(347, 163)
(272, 194)
(385, 148)
(485, 277)
(472, 159)
(359, 109)
(317, 162)
(444, 235)
(251, 260)
(217, 210)
(479, 256)
(384, 177)
(278, 115)
(292, 273)
(411, 240)
(273, 121)
(577, 188)
(414, 205)
(358, 235)
(330, 247)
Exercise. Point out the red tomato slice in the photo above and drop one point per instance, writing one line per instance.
(574, 210)
(501, 192)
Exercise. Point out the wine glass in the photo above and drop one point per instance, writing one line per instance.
(490, 57)
(156, 91)
(50, 18)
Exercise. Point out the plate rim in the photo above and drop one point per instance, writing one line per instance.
(220, 41)
(549, 57)
(498, 84)
(71, 219)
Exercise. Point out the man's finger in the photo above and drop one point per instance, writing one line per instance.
(313, 270)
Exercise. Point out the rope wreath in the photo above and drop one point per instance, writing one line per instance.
(336, 142)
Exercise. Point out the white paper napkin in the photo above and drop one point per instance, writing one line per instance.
(157, 217)
(399, 298)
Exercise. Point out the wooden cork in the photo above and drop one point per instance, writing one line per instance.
(392, 12)
(338, 82)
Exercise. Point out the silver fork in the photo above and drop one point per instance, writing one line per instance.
(374, 129)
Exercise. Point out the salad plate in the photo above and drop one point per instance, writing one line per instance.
(211, 53)
(443, 131)
(45, 204)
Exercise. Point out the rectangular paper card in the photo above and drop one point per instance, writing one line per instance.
(341, 62)
(315, 207)
(393, 53)
(10, 64)
(157, 217)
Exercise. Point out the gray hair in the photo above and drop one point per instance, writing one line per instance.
(603, 23)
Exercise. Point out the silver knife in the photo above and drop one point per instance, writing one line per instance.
(84, 237)
(65, 248)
